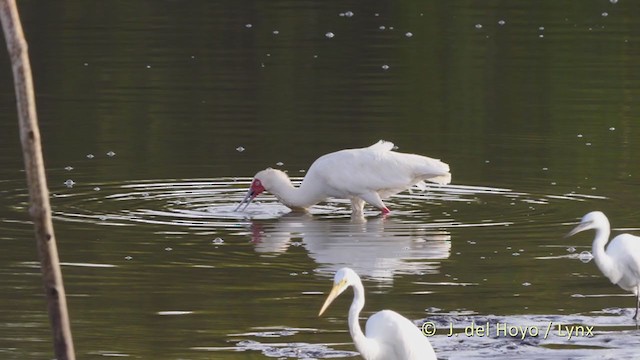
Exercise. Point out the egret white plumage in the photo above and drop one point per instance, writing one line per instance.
(620, 262)
(362, 175)
(389, 335)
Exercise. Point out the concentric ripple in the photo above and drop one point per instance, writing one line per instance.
(210, 203)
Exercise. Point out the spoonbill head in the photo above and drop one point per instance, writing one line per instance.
(620, 262)
(361, 175)
(266, 179)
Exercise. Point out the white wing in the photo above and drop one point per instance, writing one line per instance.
(624, 250)
(382, 145)
(376, 168)
(398, 337)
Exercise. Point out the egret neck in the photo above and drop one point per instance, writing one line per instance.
(367, 347)
(603, 260)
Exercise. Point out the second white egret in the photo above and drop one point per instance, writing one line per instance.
(389, 335)
(620, 262)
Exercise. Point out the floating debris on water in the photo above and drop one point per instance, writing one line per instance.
(218, 241)
(385, 67)
(90, 156)
(478, 26)
(585, 256)
(111, 154)
(329, 35)
(239, 149)
(279, 163)
(248, 26)
(408, 34)
(501, 22)
(174, 312)
(68, 168)
(69, 183)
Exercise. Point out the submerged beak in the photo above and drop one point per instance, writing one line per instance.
(581, 227)
(254, 190)
(335, 291)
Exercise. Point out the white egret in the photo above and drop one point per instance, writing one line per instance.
(389, 335)
(362, 175)
(620, 262)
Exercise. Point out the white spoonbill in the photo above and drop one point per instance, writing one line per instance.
(620, 262)
(390, 336)
(361, 175)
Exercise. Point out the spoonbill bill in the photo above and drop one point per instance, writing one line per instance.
(620, 262)
(362, 175)
(390, 336)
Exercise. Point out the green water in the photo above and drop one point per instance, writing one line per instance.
(533, 105)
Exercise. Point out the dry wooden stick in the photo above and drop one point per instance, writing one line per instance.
(40, 209)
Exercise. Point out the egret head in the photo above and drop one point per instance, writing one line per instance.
(592, 220)
(263, 180)
(344, 278)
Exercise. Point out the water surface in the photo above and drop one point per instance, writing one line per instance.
(155, 115)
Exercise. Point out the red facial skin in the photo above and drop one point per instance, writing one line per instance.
(256, 187)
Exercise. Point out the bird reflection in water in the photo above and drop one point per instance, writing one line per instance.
(378, 249)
